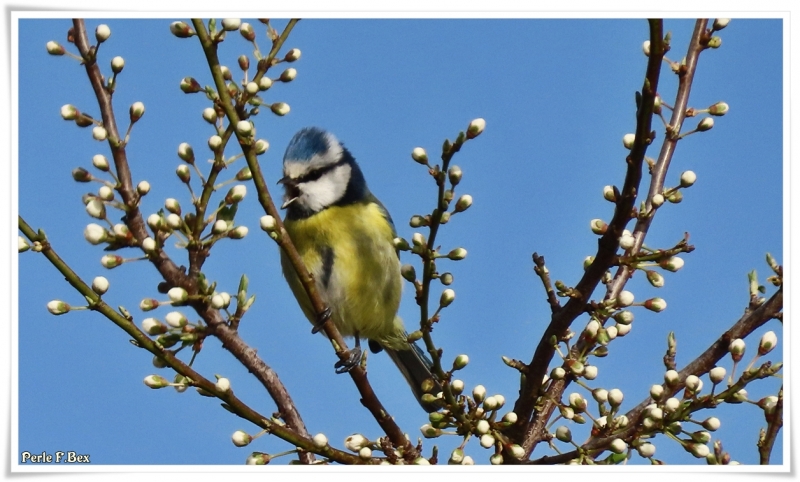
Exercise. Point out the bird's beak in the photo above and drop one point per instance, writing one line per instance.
(292, 192)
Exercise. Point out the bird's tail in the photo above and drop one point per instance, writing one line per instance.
(416, 368)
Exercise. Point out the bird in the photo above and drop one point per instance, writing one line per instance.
(345, 237)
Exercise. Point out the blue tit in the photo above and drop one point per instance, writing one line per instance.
(344, 235)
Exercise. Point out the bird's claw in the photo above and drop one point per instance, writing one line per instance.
(344, 366)
(321, 319)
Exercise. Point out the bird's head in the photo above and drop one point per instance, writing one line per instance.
(319, 172)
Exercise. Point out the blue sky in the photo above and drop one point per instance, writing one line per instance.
(557, 96)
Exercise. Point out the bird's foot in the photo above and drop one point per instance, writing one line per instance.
(321, 319)
(344, 366)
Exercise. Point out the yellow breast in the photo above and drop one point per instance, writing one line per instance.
(349, 251)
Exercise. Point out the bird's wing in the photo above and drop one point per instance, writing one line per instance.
(370, 198)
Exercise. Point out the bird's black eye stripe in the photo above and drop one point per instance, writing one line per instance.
(319, 172)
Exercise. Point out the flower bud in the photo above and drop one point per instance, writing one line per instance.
(475, 128)
(400, 244)
(608, 194)
(174, 221)
(176, 319)
(408, 273)
(711, 424)
(720, 23)
(143, 188)
(720, 108)
(55, 48)
(95, 234)
(69, 112)
(698, 450)
(673, 263)
(96, 209)
(577, 402)
(463, 203)
(215, 141)
(618, 446)
(693, 383)
(247, 31)
(457, 386)
(419, 155)
(102, 32)
(646, 450)
(243, 128)
(209, 115)
(223, 385)
(181, 30)
(656, 391)
(714, 42)
(590, 371)
(136, 111)
(615, 397)
(280, 108)
(238, 232)
(320, 440)
(717, 375)
(100, 285)
(736, 349)
(625, 298)
(236, 194)
(268, 223)
(478, 393)
(598, 226)
(705, 124)
(231, 24)
(487, 441)
(656, 304)
(241, 438)
(183, 173)
(447, 297)
(767, 343)
(58, 307)
(23, 245)
(149, 245)
(261, 146)
(288, 75)
(646, 47)
(655, 278)
(152, 326)
(155, 381)
(148, 304)
(99, 133)
(292, 55)
(563, 434)
(190, 86)
(628, 140)
(265, 83)
(626, 241)
(178, 295)
(258, 458)
(688, 178)
(356, 442)
(457, 254)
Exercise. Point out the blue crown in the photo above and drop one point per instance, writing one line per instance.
(307, 143)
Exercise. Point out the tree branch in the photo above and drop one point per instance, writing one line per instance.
(368, 397)
(608, 244)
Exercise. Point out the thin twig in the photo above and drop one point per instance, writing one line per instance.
(774, 424)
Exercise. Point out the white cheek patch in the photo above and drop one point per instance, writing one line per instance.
(325, 191)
